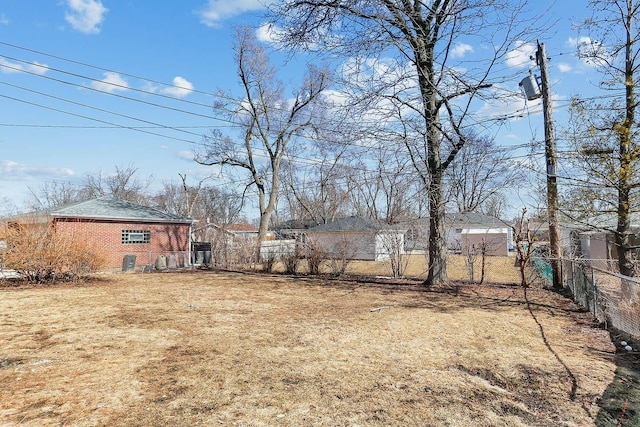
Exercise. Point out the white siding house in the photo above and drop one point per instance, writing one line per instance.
(357, 238)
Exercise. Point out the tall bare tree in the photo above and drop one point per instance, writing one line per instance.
(478, 177)
(420, 45)
(122, 184)
(381, 185)
(206, 203)
(317, 192)
(54, 194)
(606, 132)
(267, 121)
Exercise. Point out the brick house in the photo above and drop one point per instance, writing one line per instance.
(120, 229)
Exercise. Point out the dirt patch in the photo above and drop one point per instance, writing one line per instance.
(208, 348)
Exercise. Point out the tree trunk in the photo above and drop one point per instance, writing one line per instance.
(627, 157)
(437, 274)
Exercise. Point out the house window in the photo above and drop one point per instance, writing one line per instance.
(135, 236)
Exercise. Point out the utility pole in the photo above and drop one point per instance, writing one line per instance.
(552, 185)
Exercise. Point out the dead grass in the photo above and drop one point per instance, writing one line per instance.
(206, 348)
(498, 269)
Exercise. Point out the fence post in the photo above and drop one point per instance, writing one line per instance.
(595, 293)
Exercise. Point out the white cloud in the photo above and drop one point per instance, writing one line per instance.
(112, 82)
(520, 57)
(564, 67)
(8, 67)
(460, 50)
(186, 155)
(10, 170)
(85, 15)
(269, 33)
(575, 42)
(592, 52)
(219, 10)
(181, 88)
(4, 20)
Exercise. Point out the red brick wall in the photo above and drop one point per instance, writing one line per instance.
(165, 239)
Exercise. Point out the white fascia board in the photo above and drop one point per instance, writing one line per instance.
(502, 230)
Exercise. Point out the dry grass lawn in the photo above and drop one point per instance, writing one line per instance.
(211, 348)
(498, 269)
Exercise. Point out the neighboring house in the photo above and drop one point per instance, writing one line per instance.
(357, 238)
(599, 247)
(569, 235)
(120, 229)
(599, 244)
(293, 229)
(464, 232)
(212, 231)
(467, 231)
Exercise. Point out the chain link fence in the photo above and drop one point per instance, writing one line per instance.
(612, 298)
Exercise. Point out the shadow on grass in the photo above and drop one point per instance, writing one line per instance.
(620, 403)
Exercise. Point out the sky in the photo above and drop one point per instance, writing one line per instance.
(90, 85)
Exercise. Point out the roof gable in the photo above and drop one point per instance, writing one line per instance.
(110, 208)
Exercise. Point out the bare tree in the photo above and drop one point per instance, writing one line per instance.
(202, 202)
(122, 184)
(427, 83)
(267, 121)
(606, 132)
(524, 247)
(317, 191)
(478, 176)
(381, 185)
(54, 194)
(180, 198)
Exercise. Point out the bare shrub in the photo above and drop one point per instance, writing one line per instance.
(269, 260)
(41, 255)
(220, 248)
(242, 252)
(314, 255)
(290, 262)
(470, 257)
(342, 253)
(471, 254)
(524, 246)
(393, 244)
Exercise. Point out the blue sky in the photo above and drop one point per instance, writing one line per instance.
(58, 58)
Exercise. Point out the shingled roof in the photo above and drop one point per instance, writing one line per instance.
(110, 208)
(352, 223)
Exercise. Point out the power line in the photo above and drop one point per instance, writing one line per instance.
(98, 109)
(94, 119)
(84, 64)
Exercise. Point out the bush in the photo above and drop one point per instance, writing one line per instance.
(269, 261)
(314, 256)
(290, 262)
(41, 255)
